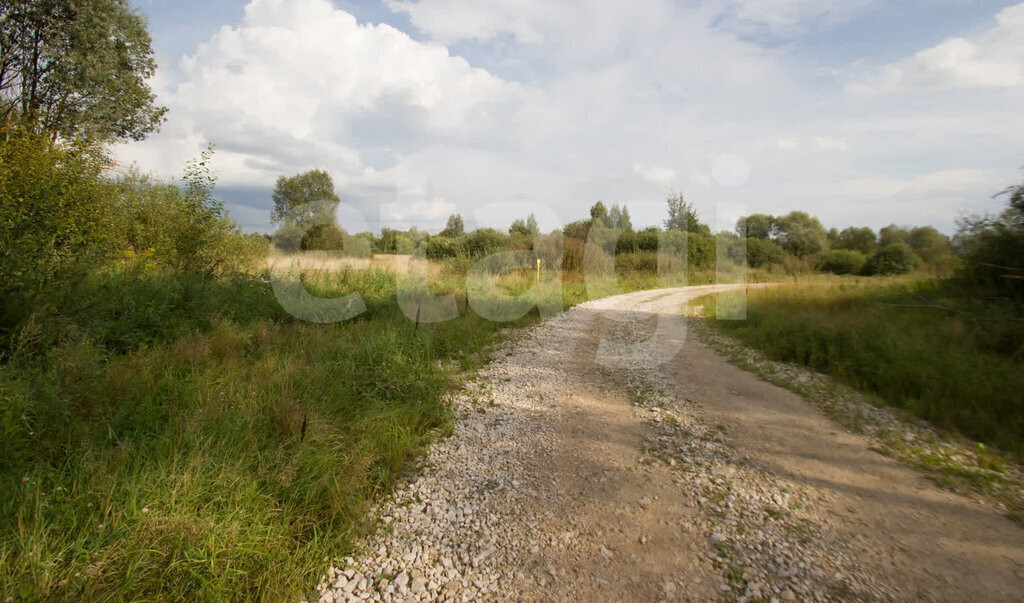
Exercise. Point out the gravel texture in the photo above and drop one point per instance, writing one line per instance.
(584, 465)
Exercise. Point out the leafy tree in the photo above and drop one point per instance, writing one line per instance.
(599, 214)
(526, 227)
(305, 200)
(757, 253)
(577, 230)
(682, 216)
(892, 235)
(992, 248)
(832, 236)
(454, 227)
(625, 222)
(800, 234)
(756, 226)
(929, 244)
(55, 220)
(895, 258)
(76, 67)
(857, 239)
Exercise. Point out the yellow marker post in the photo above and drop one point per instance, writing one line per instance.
(538, 270)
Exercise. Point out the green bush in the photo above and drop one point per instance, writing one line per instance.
(892, 259)
(55, 220)
(756, 252)
(842, 261)
(161, 223)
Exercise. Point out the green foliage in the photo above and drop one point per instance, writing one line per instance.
(992, 248)
(441, 248)
(183, 229)
(892, 235)
(682, 216)
(756, 252)
(619, 218)
(163, 439)
(324, 237)
(877, 335)
(861, 239)
(599, 215)
(55, 221)
(577, 230)
(756, 226)
(800, 234)
(454, 227)
(841, 261)
(305, 199)
(76, 68)
(526, 227)
(891, 259)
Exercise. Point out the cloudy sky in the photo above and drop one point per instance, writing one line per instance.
(861, 112)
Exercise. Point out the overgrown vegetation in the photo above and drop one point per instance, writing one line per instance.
(919, 345)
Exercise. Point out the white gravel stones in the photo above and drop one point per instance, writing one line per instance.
(470, 525)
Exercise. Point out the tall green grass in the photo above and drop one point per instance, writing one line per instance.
(184, 438)
(960, 368)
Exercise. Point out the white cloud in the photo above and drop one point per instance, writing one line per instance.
(299, 84)
(656, 174)
(574, 93)
(419, 211)
(993, 59)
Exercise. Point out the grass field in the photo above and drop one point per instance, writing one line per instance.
(916, 344)
(176, 437)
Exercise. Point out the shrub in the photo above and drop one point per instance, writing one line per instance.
(54, 220)
(441, 248)
(891, 259)
(842, 261)
(758, 253)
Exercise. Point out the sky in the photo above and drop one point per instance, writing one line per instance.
(859, 112)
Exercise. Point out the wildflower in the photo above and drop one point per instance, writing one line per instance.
(24, 480)
(145, 510)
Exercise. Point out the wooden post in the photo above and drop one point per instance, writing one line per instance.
(417, 319)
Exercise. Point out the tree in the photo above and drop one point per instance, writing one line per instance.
(599, 214)
(929, 244)
(625, 222)
(993, 248)
(304, 200)
(682, 216)
(756, 226)
(800, 234)
(73, 68)
(892, 235)
(454, 227)
(896, 258)
(857, 239)
(526, 227)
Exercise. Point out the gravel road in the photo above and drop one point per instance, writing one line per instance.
(604, 455)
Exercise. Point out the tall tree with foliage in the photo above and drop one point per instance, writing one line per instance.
(454, 227)
(526, 227)
(800, 234)
(861, 239)
(305, 199)
(682, 215)
(599, 214)
(756, 226)
(71, 68)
